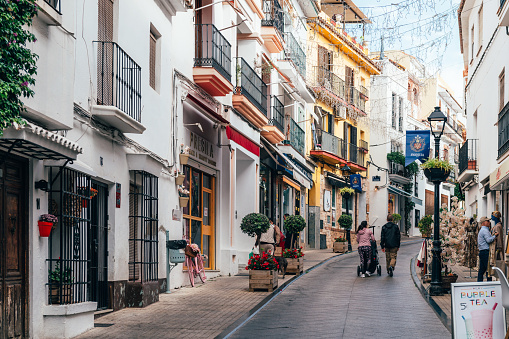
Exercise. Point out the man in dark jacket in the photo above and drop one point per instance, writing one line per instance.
(390, 242)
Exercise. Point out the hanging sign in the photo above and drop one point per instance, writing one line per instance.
(417, 146)
(477, 310)
(355, 182)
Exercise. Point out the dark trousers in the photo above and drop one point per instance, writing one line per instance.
(365, 255)
(483, 265)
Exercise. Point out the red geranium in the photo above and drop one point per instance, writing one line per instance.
(293, 253)
(262, 262)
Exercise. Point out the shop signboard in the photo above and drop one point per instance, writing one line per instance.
(477, 310)
(201, 149)
(417, 146)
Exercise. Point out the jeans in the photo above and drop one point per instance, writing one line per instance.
(483, 265)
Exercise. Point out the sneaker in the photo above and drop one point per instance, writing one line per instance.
(363, 276)
(391, 271)
(367, 274)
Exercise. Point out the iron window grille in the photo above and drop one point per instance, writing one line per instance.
(333, 144)
(212, 49)
(468, 156)
(251, 85)
(503, 130)
(277, 109)
(55, 4)
(143, 220)
(326, 79)
(273, 15)
(293, 51)
(296, 136)
(68, 259)
(118, 79)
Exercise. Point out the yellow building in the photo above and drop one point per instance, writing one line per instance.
(338, 72)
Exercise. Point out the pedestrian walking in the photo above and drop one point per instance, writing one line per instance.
(496, 216)
(484, 239)
(364, 238)
(390, 242)
(268, 240)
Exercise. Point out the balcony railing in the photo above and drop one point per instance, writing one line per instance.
(278, 114)
(400, 127)
(363, 145)
(332, 144)
(395, 168)
(297, 137)
(55, 4)
(324, 78)
(354, 97)
(468, 156)
(118, 79)
(251, 85)
(294, 52)
(212, 49)
(455, 126)
(273, 15)
(364, 92)
(503, 130)
(361, 157)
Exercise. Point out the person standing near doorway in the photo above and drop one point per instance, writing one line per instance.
(390, 242)
(499, 247)
(484, 239)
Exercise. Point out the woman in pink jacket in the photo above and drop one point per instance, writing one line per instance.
(364, 237)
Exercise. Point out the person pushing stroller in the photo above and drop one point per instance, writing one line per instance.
(364, 238)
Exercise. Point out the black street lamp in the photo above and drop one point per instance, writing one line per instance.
(435, 118)
(347, 170)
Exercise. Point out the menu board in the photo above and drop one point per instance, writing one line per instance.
(477, 311)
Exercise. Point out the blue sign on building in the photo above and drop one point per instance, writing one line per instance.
(417, 146)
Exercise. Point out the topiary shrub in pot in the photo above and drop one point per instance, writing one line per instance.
(425, 226)
(396, 218)
(294, 224)
(254, 224)
(345, 221)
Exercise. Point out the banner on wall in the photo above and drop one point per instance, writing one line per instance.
(355, 182)
(417, 146)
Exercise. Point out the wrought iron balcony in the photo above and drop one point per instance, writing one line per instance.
(503, 130)
(273, 15)
(354, 97)
(250, 85)
(212, 49)
(398, 173)
(363, 145)
(364, 92)
(332, 144)
(54, 3)
(297, 137)
(468, 156)
(324, 79)
(119, 79)
(294, 52)
(278, 114)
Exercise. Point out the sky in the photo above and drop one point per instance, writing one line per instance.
(426, 29)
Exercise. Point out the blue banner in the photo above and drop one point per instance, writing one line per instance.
(417, 146)
(355, 182)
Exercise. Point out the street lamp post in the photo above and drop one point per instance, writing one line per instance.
(436, 117)
(347, 170)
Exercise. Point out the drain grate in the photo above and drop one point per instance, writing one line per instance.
(103, 325)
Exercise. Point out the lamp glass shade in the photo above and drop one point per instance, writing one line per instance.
(346, 168)
(437, 117)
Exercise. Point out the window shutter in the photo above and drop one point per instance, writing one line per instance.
(152, 65)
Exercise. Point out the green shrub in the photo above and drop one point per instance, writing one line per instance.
(294, 224)
(426, 224)
(255, 224)
(345, 221)
(396, 218)
(437, 163)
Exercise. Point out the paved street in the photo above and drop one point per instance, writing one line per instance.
(332, 302)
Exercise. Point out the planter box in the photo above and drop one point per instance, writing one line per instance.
(55, 295)
(447, 280)
(278, 252)
(339, 247)
(426, 235)
(183, 201)
(295, 265)
(183, 158)
(436, 174)
(472, 165)
(179, 180)
(262, 279)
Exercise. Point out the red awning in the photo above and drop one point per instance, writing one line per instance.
(240, 139)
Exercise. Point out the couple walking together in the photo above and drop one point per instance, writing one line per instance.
(390, 242)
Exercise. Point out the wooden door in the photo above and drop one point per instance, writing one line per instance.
(13, 249)
(429, 203)
(349, 84)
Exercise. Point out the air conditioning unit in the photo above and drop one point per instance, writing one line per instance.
(340, 112)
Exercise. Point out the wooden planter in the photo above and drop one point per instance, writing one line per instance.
(183, 201)
(179, 180)
(295, 265)
(339, 247)
(55, 295)
(426, 235)
(447, 280)
(262, 279)
(183, 158)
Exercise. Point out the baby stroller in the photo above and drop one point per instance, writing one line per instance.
(375, 264)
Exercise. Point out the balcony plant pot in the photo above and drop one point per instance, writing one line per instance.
(295, 265)
(262, 279)
(339, 247)
(44, 228)
(55, 294)
(183, 201)
(472, 164)
(436, 174)
(183, 158)
(179, 180)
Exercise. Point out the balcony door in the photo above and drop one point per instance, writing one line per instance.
(105, 51)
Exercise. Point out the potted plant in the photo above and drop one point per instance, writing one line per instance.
(294, 224)
(179, 177)
(183, 196)
(345, 221)
(437, 170)
(184, 154)
(262, 271)
(60, 284)
(339, 245)
(425, 226)
(396, 218)
(295, 260)
(45, 224)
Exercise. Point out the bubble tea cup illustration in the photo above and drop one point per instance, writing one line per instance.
(482, 321)
(469, 328)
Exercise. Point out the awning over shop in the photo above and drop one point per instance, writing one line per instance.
(36, 142)
(499, 177)
(243, 141)
(416, 201)
(399, 191)
(336, 180)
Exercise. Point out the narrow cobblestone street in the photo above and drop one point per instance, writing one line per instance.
(332, 302)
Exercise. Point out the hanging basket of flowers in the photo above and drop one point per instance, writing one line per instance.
(437, 170)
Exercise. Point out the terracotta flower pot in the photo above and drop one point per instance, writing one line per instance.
(183, 201)
(179, 180)
(44, 228)
(436, 174)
